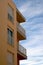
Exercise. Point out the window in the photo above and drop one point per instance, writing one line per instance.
(10, 13)
(10, 37)
(10, 58)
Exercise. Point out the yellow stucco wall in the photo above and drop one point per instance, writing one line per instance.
(4, 24)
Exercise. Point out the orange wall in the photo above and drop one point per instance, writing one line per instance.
(4, 24)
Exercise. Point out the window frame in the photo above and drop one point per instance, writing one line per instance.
(10, 37)
(10, 16)
(10, 58)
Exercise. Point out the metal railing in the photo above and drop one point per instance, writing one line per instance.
(22, 49)
(20, 29)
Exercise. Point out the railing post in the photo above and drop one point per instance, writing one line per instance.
(22, 49)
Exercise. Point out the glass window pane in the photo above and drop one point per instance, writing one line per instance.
(10, 36)
(10, 58)
(10, 10)
(10, 13)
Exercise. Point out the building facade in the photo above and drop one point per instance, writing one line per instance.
(11, 32)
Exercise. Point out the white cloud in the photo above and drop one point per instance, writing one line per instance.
(34, 32)
(32, 51)
(24, 8)
(31, 11)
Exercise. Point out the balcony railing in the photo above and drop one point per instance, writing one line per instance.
(21, 30)
(21, 49)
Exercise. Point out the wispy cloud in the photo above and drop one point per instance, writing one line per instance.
(32, 8)
(33, 12)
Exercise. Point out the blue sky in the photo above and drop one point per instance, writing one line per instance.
(33, 12)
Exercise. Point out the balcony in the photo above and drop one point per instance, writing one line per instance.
(20, 32)
(20, 17)
(21, 52)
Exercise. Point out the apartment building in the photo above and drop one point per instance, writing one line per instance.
(11, 32)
